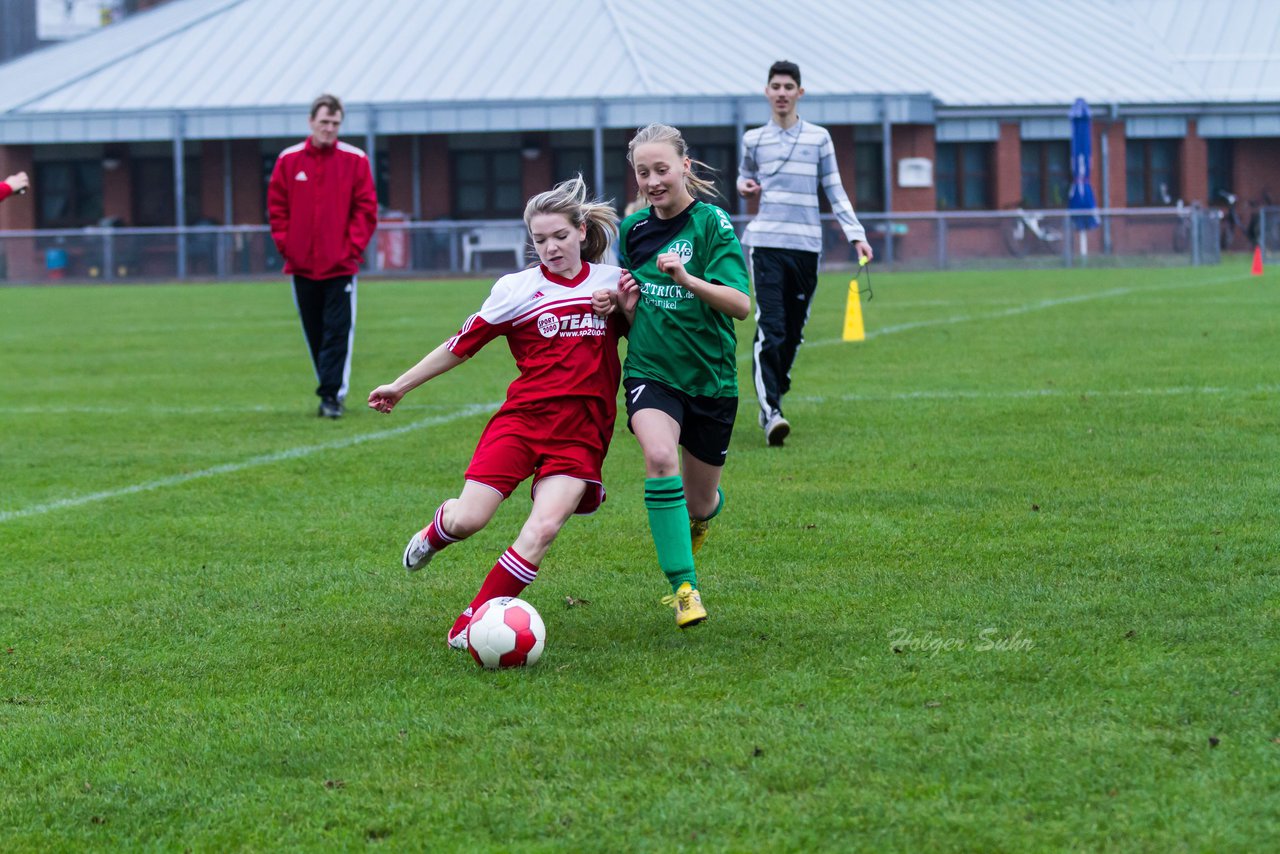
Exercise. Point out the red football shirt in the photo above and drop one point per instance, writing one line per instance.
(566, 355)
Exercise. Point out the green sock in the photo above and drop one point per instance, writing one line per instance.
(669, 523)
(719, 505)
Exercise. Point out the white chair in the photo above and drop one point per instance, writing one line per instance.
(494, 238)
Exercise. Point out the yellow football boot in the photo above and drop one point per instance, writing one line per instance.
(698, 530)
(688, 605)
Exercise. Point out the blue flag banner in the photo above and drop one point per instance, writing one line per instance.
(1080, 198)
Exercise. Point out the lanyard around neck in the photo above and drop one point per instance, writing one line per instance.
(755, 152)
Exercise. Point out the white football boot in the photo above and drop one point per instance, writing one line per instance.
(419, 552)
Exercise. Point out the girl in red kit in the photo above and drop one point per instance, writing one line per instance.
(558, 417)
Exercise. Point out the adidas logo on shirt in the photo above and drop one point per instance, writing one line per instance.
(301, 176)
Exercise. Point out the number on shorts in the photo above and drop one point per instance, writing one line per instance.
(635, 393)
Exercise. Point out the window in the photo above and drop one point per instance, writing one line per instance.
(1046, 174)
(964, 176)
(1221, 163)
(868, 176)
(571, 161)
(152, 181)
(70, 193)
(1151, 172)
(487, 185)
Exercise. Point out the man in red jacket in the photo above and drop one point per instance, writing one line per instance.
(13, 184)
(323, 210)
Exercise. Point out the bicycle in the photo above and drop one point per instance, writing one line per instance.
(1230, 225)
(1182, 230)
(1264, 210)
(1028, 232)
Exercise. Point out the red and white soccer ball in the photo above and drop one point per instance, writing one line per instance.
(506, 632)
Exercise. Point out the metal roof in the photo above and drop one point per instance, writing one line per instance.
(1230, 51)
(248, 67)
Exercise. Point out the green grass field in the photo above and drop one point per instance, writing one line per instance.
(1012, 585)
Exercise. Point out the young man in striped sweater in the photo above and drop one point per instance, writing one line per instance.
(783, 164)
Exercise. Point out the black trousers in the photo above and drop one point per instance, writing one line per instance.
(785, 280)
(327, 308)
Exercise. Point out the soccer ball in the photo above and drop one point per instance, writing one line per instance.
(506, 632)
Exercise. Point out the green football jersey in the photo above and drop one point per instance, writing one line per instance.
(677, 339)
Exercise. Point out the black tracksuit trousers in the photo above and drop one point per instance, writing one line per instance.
(785, 281)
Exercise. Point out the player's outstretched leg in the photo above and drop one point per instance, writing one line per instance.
(454, 521)
(555, 498)
(424, 544)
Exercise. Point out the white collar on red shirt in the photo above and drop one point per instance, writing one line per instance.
(561, 280)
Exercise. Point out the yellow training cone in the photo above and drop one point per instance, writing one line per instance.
(853, 330)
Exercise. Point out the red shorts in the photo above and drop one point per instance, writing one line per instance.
(513, 447)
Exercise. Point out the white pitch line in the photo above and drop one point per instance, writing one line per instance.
(135, 411)
(294, 453)
(252, 462)
(1024, 394)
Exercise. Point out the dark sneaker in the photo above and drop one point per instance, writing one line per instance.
(777, 430)
(330, 407)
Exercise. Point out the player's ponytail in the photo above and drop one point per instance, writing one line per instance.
(696, 184)
(569, 199)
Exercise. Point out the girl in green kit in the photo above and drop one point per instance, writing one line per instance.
(687, 283)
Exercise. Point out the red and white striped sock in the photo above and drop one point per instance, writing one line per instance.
(509, 577)
(435, 534)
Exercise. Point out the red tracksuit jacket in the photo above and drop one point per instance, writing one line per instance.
(5, 190)
(323, 209)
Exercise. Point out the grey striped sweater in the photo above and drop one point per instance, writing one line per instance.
(788, 165)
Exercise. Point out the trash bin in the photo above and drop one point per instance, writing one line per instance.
(393, 243)
(55, 262)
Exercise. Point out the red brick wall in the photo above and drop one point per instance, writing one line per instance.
(921, 240)
(536, 175)
(913, 141)
(1193, 174)
(1008, 166)
(117, 184)
(400, 162)
(1114, 132)
(248, 195)
(212, 189)
(842, 140)
(437, 191)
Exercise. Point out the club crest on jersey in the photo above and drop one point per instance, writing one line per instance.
(682, 248)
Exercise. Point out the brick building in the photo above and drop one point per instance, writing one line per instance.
(175, 115)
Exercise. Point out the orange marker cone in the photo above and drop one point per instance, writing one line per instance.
(1257, 261)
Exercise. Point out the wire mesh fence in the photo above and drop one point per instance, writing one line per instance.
(913, 241)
